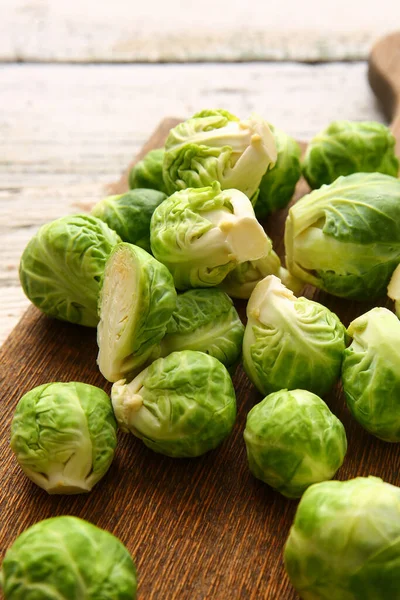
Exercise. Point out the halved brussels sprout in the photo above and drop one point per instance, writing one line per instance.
(278, 183)
(205, 320)
(293, 440)
(148, 172)
(291, 342)
(68, 558)
(130, 214)
(371, 373)
(182, 405)
(62, 266)
(344, 542)
(64, 436)
(394, 290)
(137, 300)
(345, 238)
(347, 147)
(214, 145)
(203, 234)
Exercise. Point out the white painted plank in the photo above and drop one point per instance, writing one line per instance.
(65, 131)
(155, 30)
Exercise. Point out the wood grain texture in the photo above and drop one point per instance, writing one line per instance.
(198, 529)
(152, 31)
(67, 130)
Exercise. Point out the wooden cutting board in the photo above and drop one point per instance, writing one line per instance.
(198, 529)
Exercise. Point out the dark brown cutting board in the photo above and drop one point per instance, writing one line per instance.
(202, 528)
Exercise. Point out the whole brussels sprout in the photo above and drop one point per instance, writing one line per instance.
(214, 145)
(205, 320)
(345, 238)
(394, 290)
(62, 265)
(293, 440)
(64, 436)
(148, 172)
(344, 542)
(183, 405)
(203, 234)
(137, 300)
(347, 147)
(371, 373)
(278, 184)
(130, 214)
(290, 342)
(68, 558)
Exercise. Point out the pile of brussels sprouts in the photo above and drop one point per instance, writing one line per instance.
(155, 270)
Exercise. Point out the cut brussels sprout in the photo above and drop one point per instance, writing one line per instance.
(137, 300)
(347, 147)
(148, 172)
(130, 214)
(371, 373)
(62, 266)
(205, 320)
(182, 405)
(293, 440)
(214, 145)
(66, 558)
(344, 542)
(394, 290)
(203, 234)
(64, 436)
(278, 184)
(291, 342)
(345, 237)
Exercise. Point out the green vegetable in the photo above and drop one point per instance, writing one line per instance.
(62, 265)
(205, 320)
(394, 290)
(136, 302)
(347, 147)
(344, 542)
(345, 238)
(64, 436)
(371, 373)
(182, 405)
(66, 558)
(148, 172)
(130, 214)
(203, 234)
(291, 342)
(278, 184)
(214, 145)
(293, 440)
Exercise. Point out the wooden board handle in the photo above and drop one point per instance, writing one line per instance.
(384, 77)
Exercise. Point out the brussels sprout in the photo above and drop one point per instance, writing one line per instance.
(347, 147)
(137, 300)
(130, 214)
(203, 234)
(148, 172)
(66, 558)
(64, 436)
(62, 265)
(290, 342)
(344, 542)
(394, 290)
(293, 440)
(278, 184)
(371, 373)
(214, 145)
(345, 237)
(207, 321)
(182, 405)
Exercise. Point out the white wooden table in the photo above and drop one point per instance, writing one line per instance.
(68, 129)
